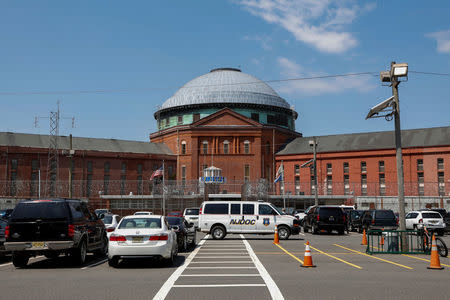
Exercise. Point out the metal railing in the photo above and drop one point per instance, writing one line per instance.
(390, 242)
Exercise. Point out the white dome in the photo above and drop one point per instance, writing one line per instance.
(225, 85)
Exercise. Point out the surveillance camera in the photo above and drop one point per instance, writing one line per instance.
(311, 143)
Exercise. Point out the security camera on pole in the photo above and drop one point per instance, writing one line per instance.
(391, 107)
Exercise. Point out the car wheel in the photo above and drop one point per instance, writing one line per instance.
(218, 232)
(440, 232)
(314, 229)
(79, 254)
(104, 249)
(305, 229)
(359, 229)
(283, 233)
(113, 262)
(194, 242)
(341, 231)
(173, 256)
(20, 260)
(185, 243)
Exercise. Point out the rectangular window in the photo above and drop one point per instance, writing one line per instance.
(167, 122)
(205, 148)
(216, 208)
(382, 184)
(346, 184)
(381, 166)
(226, 148)
(105, 184)
(329, 168)
(311, 169)
(183, 148)
(88, 185)
(124, 168)
(89, 166)
(246, 147)
(420, 184)
(107, 167)
(255, 117)
(248, 209)
(297, 184)
(345, 167)
(363, 167)
(123, 180)
(139, 168)
(297, 169)
(14, 164)
(13, 186)
(170, 170)
(183, 175)
(440, 164)
(363, 184)
(312, 185)
(180, 120)
(329, 185)
(235, 209)
(441, 184)
(247, 173)
(196, 117)
(139, 185)
(34, 184)
(34, 165)
(420, 165)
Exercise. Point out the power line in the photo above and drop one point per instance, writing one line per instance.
(430, 73)
(107, 91)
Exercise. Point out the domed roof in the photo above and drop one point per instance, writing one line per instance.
(225, 85)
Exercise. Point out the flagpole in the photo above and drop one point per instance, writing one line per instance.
(164, 191)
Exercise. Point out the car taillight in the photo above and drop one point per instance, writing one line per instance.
(396, 221)
(159, 237)
(421, 221)
(70, 230)
(200, 212)
(373, 221)
(318, 218)
(117, 238)
(343, 218)
(110, 229)
(7, 232)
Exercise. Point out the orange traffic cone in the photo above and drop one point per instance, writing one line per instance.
(364, 238)
(276, 239)
(435, 262)
(307, 259)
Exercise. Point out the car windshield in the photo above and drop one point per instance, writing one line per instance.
(133, 223)
(330, 211)
(107, 219)
(191, 211)
(431, 215)
(141, 214)
(384, 214)
(278, 210)
(40, 210)
(174, 221)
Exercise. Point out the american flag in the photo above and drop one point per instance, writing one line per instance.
(157, 173)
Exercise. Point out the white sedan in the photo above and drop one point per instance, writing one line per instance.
(110, 222)
(142, 237)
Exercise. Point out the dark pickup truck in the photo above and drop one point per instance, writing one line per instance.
(54, 227)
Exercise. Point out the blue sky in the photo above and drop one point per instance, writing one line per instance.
(111, 63)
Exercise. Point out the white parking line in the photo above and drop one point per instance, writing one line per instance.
(219, 268)
(271, 285)
(95, 264)
(219, 285)
(235, 256)
(221, 275)
(223, 262)
(204, 252)
(162, 293)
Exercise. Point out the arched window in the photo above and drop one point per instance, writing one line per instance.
(247, 147)
(226, 147)
(183, 147)
(205, 147)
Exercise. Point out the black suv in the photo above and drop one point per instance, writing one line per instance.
(54, 227)
(354, 220)
(328, 218)
(379, 219)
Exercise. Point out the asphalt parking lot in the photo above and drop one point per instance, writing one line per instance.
(238, 267)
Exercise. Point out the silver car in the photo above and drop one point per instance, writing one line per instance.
(191, 215)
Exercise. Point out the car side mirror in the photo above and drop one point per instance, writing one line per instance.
(101, 216)
(191, 225)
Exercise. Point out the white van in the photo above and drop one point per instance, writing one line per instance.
(221, 217)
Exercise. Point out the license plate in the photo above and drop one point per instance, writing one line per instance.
(137, 239)
(38, 244)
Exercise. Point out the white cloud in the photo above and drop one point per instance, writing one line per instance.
(443, 40)
(319, 23)
(264, 40)
(290, 69)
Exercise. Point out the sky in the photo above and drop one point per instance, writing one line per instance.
(111, 63)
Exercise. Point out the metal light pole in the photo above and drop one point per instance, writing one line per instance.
(313, 143)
